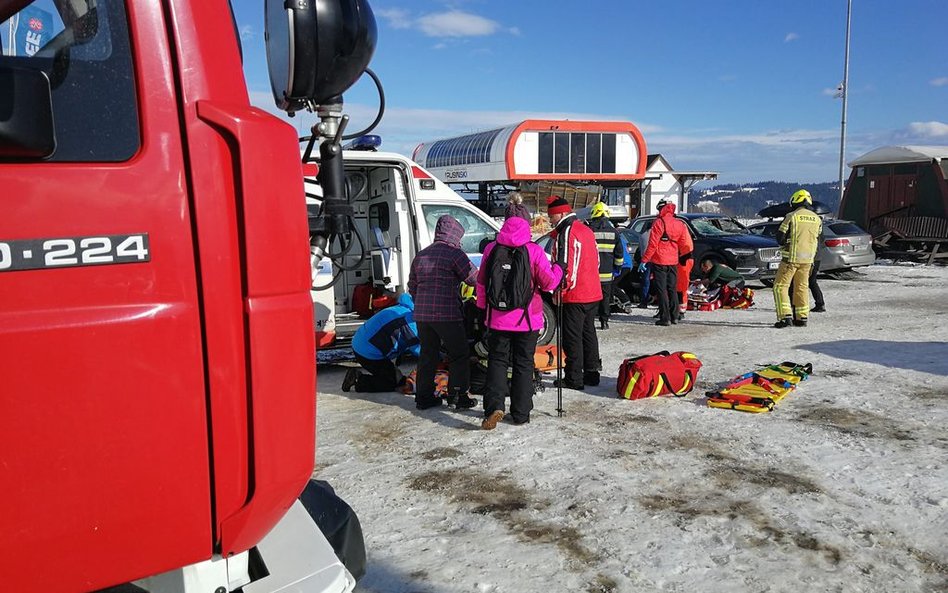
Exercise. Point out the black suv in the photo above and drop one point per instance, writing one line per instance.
(721, 239)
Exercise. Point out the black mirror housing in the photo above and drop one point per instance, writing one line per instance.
(317, 49)
(26, 114)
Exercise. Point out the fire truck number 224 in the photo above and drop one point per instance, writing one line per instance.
(39, 254)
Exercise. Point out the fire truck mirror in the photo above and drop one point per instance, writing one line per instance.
(317, 49)
(26, 114)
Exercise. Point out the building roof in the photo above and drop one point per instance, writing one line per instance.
(901, 154)
(652, 159)
(575, 151)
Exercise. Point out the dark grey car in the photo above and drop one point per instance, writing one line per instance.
(721, 239)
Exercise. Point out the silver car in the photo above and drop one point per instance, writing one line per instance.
(844, 246)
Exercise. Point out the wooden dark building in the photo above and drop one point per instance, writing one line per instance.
(900, 195)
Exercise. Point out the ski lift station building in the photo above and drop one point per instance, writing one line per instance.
(563, 154)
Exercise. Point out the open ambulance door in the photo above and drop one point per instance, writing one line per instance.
(388, 228)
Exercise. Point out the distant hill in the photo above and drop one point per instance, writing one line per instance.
(743, 201)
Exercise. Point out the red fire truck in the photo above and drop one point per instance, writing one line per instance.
(157, 369)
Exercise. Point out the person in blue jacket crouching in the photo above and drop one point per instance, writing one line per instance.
(383, 338)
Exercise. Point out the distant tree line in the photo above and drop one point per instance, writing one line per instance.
(745, 200)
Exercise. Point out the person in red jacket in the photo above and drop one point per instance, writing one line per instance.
(668, 240)
(575, 250)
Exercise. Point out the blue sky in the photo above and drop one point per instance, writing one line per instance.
(742, 87)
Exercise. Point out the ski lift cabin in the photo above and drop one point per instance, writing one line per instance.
(582, 161)
(900, 194)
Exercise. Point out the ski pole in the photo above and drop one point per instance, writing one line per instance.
(559, 355)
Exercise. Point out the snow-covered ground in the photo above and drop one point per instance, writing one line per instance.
(844, 487)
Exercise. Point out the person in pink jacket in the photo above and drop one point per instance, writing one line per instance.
(513, 272)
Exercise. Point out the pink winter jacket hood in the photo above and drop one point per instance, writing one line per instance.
(546, 277)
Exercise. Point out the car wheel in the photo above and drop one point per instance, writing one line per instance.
(549, 324)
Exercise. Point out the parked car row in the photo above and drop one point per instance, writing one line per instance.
(753, 250)
(722, 240)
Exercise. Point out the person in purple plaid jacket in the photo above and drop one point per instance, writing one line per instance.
(435, 284)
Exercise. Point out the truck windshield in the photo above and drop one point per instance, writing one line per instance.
(713, 227)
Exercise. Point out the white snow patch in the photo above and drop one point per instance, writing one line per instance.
(842, 488)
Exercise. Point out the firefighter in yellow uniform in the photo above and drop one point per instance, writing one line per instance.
(798, 236)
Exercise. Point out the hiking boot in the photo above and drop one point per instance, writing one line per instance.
(785, 322)
(520, 422)
(568, 384)
(820, 309)
(425, 404)
(591, 379)
(643, 305)
(603, 324)
(349, 381)
(799, 322)
(490, 422)
(462, 401)
(664, 322)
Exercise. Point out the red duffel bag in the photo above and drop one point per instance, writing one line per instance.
(658, 374)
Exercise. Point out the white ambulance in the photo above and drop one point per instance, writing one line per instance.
(397, 204)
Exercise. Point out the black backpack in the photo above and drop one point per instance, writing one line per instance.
(509, 279)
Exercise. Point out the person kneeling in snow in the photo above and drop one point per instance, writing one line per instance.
(717, 275)
(382, 338)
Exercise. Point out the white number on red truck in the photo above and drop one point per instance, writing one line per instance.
(40, 254)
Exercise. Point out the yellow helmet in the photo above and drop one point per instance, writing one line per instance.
(467, 292)
(599, 209)
(800, 197)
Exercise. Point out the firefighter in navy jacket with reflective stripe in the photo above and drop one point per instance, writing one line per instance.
(574, 249)
(382, 338)
(611, 256)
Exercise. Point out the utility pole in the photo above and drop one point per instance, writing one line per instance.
(842, 133)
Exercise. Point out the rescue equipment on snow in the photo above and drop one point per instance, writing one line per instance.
(759, 391)
(441, 383)
(726, 297)
(663, 373)
(737, 298)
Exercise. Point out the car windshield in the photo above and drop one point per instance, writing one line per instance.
(713, 227)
